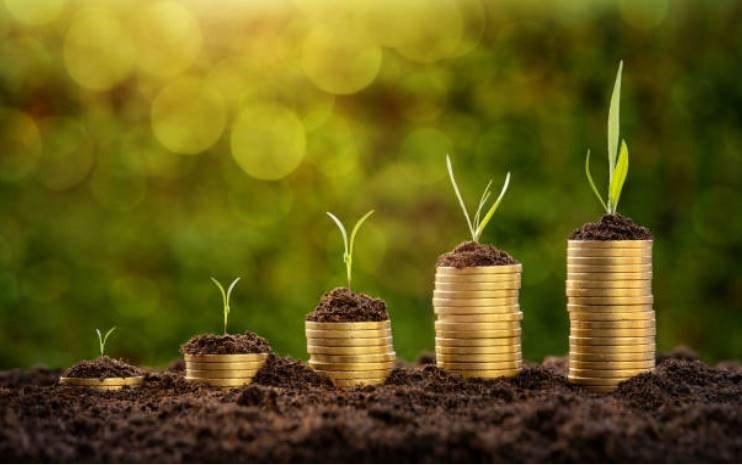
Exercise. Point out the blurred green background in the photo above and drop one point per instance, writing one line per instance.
(148, 145)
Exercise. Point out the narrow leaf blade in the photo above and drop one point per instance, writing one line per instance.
(493, 208)
(231, 287)
(342, 230)
(592, 182)
(613, 122)
(619, 177)
(221, 290)
(459, 197)
(358, 225)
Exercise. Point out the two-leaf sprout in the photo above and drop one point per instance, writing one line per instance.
(226, 296)
(103, 338)
(478, 223)
(618, 159)
(348, 254)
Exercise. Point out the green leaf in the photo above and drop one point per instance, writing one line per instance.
(461, 199)
(619, 177)
(613, 122)
(225, 302)
(482, 202)
(353, 234)
(492, 210)
(102, 339)
(592, 183)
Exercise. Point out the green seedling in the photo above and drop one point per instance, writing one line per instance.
(477, 225)
(348, 254)
(618, 158)
(226, 297)
(102, 339)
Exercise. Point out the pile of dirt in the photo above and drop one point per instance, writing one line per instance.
(102, 367)
(247, 343)
(685, 411)
(611, 228)
(343, 305)
(473, 253)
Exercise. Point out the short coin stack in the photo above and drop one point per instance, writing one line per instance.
(104, 384)
(477, 329)
(224, 370)
(353, 353)
(609, 299)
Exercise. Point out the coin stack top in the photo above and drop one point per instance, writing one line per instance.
(224, 370)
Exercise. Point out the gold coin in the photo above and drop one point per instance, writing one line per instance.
(372, 358)
(453, 342)
(501, 325)
(508, 365)
(611, 365)
(480, 358)
(610, 341)
(606, 373)
(348, 383)
(221, 382)
(349, 342)
(632, 300)
(361, 374)
(474, 350)
(467, 295)
(477, 278)
(353, 325)
(441, 302)
(617, 253)
(96, 382)
(220, 374)
(109, 388)
(381, 349)
(499, 269)
(615, 332)
(365, 366)
(608, 261)
(513, 316)
(443, 311)
(608, 293)
(479, 334)
(617, 244)
(596, 381)
(225, 365)
(205, 358)
(608, 269)
(348, 334)
(610, 284)
(621, 324)
(609, 308)
(603, 277)
(582, 356)
(608, 316)
(478, 286)
(611, 349)
(486, 373)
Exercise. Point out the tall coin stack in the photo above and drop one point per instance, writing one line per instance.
(353, 353)
(224, 370)
(609, 299)
(478, 320)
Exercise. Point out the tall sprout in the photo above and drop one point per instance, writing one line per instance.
(226, 297)
(477, 223)
(618, 158)
(348, 243)
(103, 338)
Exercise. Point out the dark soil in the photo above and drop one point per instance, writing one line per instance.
(685, 411)
(473, 253)
(343, 305)
(246, 343)
(611, 228)
(102, 367)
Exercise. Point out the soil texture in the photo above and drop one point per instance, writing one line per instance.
(246, 343)
(685, 411)
(343, 305)
(611, 228)
(473, 253)
(102, 367)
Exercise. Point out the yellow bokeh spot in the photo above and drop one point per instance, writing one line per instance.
(167, 37)
(21, 144)
(188, 116)
(340, 63)
(35, 12)
(268, 141)
(434, 30)
(643, 14)
(97, 50)
(68, 153)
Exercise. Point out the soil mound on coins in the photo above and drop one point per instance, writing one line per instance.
(102, 367)
(473, 253)
(343, 305)
(246, 343)
(685, 411)
(611, 228)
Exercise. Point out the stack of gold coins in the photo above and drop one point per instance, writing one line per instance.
(609, 299)
(353, 353)
(224, 370)
(103, 384)
(478, 319)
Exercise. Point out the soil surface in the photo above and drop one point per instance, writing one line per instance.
(343, 305)
(102, 367)
(246, 343)
(473, 253)
(611, 228)
(685, 411)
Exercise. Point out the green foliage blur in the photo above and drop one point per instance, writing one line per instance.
(148, 145)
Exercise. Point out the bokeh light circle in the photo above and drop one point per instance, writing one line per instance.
(21, 144)
(35, 12)
(268, 141)
(434, 32)
(188, 116)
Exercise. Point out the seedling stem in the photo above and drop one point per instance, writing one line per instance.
(348, 244)
(226, 297)
(102, 339)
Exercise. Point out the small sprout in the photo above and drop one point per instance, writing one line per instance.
(348, 254)
(476, 227)
(618, 158)
(226, 296)
(102, 339)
